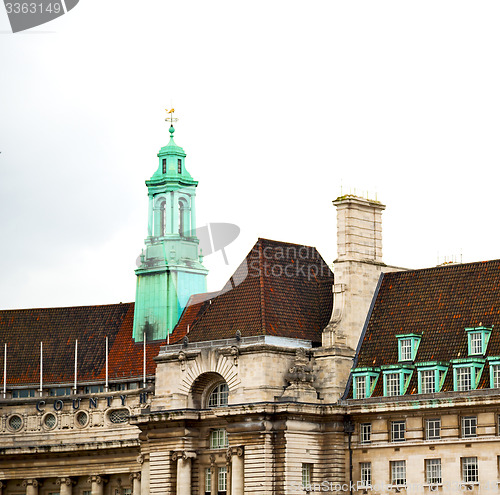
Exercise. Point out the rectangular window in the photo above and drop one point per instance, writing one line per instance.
(476, 343)
(306, 476)
(218, 439)
(433, 471)
(433, 429)
(398, 472)
(179, 166)
(495, 373)
(464, 381)
(428, 381)
(360, 387)
(164, 165)
(93, 389)
(398, 431)
(222, 480)
(23, 393)
(392, 384)
(208, 481)
(59, 392)
(87, 492)
(405, 347)
(469, 425)
(469, 470)
(365, 432)
(365, 469)
(126, 491)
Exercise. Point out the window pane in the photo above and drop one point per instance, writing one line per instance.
(306, 475)
(208, 480)
(365, 473)
(360, 387)
(219, 396)
(405, 346)
(469, 470)
(469, 424)
(495, 370)
(463, 379)
(432, 429)
(392, 383)
(222, 479)
(428, 381)
(218, 439)
(476, 343)
(398, 431)
(398, 472)
(433, 470)
(365, 432)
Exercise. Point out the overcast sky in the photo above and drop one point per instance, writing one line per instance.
(282, 104)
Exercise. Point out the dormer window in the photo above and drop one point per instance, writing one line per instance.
(179, 166)
(478, 340)
(407, 346)
(431, 377)
(364, 380)
(164, 165)
(396, 379)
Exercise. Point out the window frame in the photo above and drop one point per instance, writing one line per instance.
(306, 475)
(219, 394)
(440, 370)
(484, 336)
(414, 342)
(427, 428)
(464, 462)
(494, 365)
(468, 423)
(365, 433)
(430, 477)
(398, 431)
(365, 474)
(218, 439)
(394, 465)
(404, 375)
(370, 375)
(475, 367)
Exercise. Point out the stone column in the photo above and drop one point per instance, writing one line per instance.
(144, 462)
(2, 486)
(66, 486)
(31, 486)
(97, 484)
(214, 476)
(183, 471)
(136, 483)
(237, 472)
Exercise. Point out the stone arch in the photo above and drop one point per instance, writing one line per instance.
(206, 371)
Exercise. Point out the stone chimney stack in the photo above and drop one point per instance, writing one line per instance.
(359, 229)
(357, 268)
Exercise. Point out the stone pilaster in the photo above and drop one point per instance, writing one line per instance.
(97, 484)
(66, 485)
(237, 479)
(183, 460)
(31, 486)
(135, 478)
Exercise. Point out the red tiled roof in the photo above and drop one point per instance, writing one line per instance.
(437, 303)
(58, 328)
(280, 289)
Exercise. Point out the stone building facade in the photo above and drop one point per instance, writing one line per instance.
(295, 377)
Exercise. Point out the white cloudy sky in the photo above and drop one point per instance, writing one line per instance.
(280, 103)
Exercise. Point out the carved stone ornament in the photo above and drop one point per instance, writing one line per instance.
(235, 353)
(97, 479)
(140, 459)
(32, 482)
(175, 456)
(65, 481)
(212, 459)
(182, 360)
(134, 476)
(302, 370)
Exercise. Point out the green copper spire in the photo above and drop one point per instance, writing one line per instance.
(170, 270)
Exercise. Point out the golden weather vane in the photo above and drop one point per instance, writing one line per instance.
(171, 117)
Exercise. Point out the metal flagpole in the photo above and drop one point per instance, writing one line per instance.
(107, 364)
(5, 371)
(41, 368)
(144, 361)
(76, 362)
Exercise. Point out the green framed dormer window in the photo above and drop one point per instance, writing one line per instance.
(477, 339)
(396, 379)
(494, 363)
(408, 346)
(364, 381)
(467, 373)
(431, 377)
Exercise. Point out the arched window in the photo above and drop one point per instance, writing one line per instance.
(162, 218)
(183, 218)
(218, 396)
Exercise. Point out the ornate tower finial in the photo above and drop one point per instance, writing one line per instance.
(172, 119)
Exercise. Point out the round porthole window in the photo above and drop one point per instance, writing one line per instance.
(50, 421)
(119, 416)
(15, 422)
(82, 418)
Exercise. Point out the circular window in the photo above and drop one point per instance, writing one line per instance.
(119, 416)
(50, 421)
(82, 418)
(15, 422)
